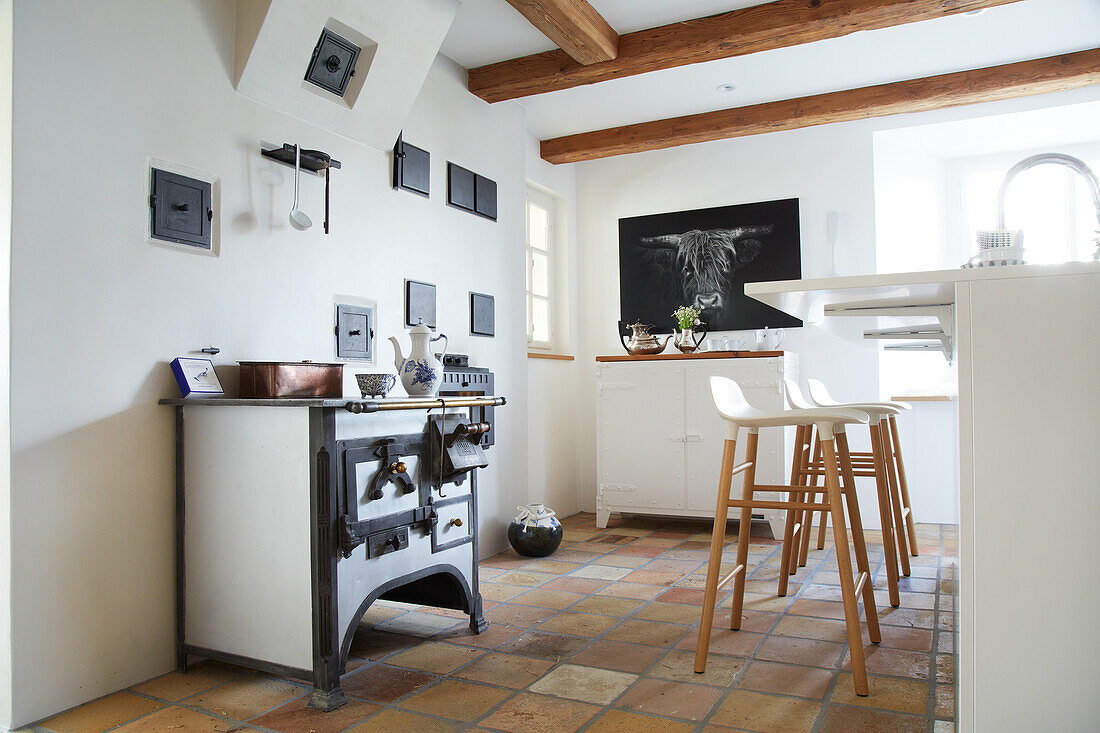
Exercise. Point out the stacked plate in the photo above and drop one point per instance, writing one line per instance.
(998, 248)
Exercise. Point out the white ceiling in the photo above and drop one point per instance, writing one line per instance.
(1049, 128)
(485, 31)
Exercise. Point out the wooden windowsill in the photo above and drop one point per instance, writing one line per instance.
(924, 398)
(545, 355)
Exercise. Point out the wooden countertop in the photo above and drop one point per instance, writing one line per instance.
(696, 355)
(354, 405)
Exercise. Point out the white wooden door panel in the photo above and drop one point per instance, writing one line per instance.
(641, 414)
(760, 379)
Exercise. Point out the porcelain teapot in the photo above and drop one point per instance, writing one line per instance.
(641, 340)
(421, 373)
(769, 340)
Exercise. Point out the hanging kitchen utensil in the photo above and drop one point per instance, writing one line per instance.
(327, 169)
(298, 218)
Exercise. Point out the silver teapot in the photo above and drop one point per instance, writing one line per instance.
(642, 342)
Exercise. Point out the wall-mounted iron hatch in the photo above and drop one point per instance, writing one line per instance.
(333, 63)
(354, 332)
(181, 209)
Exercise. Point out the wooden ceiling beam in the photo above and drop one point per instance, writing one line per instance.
(759, 28)
(574, 26)
(1025, 78)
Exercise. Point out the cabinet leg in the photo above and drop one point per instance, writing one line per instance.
(478, 623)
(777, 522)
(602, 517)
(327, 700)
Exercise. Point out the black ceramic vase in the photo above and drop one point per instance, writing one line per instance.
(536, 532)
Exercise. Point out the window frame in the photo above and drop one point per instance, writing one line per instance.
(549, 205)
(961, 169)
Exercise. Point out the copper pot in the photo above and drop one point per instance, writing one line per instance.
(271, 379)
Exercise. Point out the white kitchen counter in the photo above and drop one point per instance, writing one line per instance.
(1027, 341)
(806, 299)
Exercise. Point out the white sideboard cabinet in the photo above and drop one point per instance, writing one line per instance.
(659, 438)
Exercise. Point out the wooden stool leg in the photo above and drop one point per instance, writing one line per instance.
(743, 530)
(889, 547)
(859, 544)
(910, 523)
(714, 564)
(786, 566)
(824, 519)
(844, 566)
(800, 478)
(821, 533)
(804, 551)
(895, 499)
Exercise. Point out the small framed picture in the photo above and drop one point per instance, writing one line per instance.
(196, 376)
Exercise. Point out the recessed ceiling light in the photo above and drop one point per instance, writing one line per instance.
(725, 87)
(979, 11)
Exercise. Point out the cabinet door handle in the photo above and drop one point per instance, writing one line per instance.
(693, 438)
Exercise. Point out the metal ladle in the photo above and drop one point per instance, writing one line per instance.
(298, 218)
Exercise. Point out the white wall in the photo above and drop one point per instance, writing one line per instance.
(552, 412)
(5, 354)
(827, 169)
(98, 312)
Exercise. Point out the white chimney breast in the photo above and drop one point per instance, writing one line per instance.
(275, 41)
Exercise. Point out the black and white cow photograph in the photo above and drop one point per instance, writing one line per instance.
(703, 258)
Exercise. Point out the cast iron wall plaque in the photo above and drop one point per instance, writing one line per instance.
(354, 332)
(411, 167)
(180, 209)
(419, 303)
(460, 187)
(471, 192)
(482, 314)
(485, 197)
(333, 63)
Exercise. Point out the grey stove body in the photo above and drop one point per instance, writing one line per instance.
(294, 516)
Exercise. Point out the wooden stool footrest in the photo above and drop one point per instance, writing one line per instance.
(731, 576)
(741, 467)
(819, 472)
(758, 504)
(863, 578)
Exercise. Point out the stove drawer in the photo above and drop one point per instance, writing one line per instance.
(454, 525)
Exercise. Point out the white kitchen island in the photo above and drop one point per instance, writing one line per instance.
(1027, 342)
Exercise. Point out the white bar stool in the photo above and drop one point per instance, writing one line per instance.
(737, 412)
(899, 487)
(804, 472)
(904, 529)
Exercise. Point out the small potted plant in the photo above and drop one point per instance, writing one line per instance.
(687, 318)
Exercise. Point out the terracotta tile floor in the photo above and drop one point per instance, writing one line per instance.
(600, 638)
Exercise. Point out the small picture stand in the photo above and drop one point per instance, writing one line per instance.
(196, 376)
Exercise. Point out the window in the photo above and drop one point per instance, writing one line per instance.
(1050, 203)
(540, 246)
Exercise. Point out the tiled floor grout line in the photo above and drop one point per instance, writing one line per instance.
(874, 567)
(557, 663)
(802, 586)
